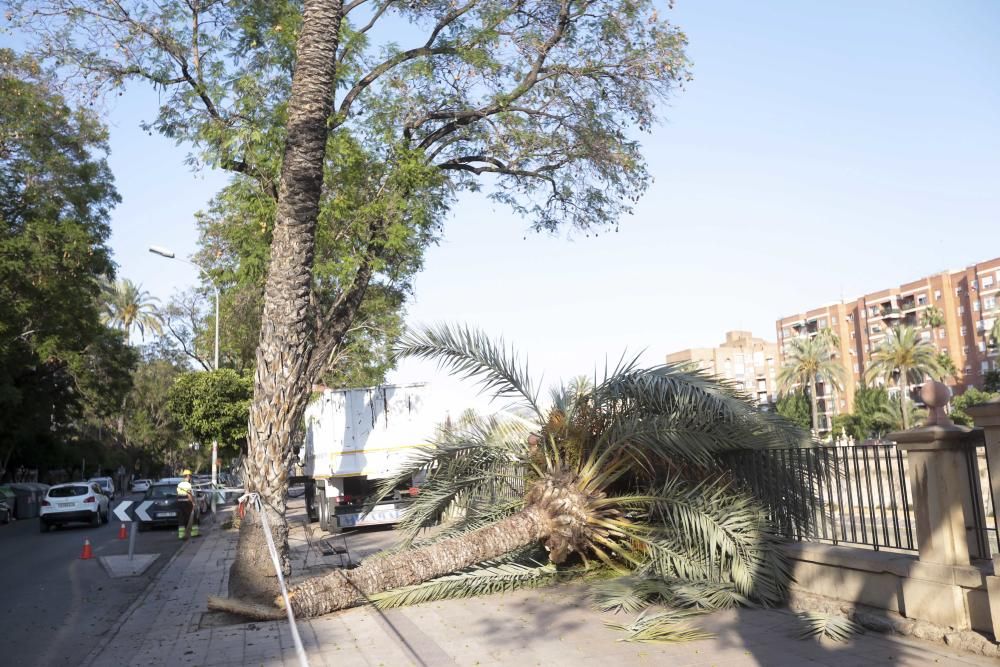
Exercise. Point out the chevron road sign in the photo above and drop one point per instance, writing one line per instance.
(130, 510)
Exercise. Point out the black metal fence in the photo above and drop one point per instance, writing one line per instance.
(857, 496)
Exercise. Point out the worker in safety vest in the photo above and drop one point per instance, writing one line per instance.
(187, 515)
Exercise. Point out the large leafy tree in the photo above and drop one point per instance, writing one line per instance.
(627, 475)
(538, 100)
(808, 361)
(213, 406)
(904, 358)
(56, 192)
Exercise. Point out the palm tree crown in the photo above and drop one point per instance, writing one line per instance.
(807, 362)
(626, 475)
(128, 307)
(932, 318)
(904, 357)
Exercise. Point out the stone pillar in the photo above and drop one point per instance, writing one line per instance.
(987, 417)
(938, 475)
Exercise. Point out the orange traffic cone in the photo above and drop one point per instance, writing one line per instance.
(87, 553)
(122, 531)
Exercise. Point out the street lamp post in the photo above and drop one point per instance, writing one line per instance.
(169, 254)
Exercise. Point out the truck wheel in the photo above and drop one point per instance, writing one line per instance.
(323, 512)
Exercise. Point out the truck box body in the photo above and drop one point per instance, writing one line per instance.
(355, 437)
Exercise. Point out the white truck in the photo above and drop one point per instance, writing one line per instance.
(356, 437)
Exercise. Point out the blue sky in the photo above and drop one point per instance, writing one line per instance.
(823, 149)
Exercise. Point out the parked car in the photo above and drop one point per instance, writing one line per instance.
(74, 502)
(5, 512)
(164, 510)
(201, 498)
(107, 485)
(141, 485)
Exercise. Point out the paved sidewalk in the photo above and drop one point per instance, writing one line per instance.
(170, 625)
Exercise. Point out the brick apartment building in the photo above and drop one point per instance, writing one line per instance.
(968, 299)
(750, 363)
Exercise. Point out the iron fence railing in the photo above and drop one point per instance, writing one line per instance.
(858, 496)
(855, 496)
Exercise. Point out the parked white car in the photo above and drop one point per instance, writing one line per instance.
(141, 485)
(73, 502)
(107, 485)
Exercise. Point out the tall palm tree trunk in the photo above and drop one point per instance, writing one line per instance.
(281, 384)
(346, 588)
(815, 406)
(904, 390)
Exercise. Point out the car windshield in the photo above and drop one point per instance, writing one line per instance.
(162, 491)
(68, 491)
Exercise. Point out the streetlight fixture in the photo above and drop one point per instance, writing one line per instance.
(169, 254)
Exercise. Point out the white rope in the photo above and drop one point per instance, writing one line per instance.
(254, 499)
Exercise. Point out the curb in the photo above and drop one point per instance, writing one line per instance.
(88, 661)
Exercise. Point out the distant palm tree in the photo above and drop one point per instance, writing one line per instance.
(994, 335)
(932, 318)
(948, 370)
(905, 357)
(807, 361)
(129, 307)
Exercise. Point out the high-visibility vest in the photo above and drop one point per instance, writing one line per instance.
(183, 489)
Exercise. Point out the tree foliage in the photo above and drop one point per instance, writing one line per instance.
(809, 361)
(213, 405)
(56, 192)
(904, 358)
(971, 396)
(537, 102)
(794, 406)
(129, 307)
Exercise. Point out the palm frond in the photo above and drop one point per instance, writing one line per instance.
(464, 470)
(629, 594)
(722, 531)
(483, 580)
(472, 355)
(664, 627)
(837, 628)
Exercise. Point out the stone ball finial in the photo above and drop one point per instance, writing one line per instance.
(936, 396)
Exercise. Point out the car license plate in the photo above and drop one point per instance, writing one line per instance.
(65, 504)
(165, 514)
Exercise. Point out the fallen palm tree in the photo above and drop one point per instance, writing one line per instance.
(625, 477)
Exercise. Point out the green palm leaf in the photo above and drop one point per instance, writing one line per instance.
(472, 355)
(484, 580)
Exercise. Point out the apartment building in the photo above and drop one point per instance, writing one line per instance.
(968, 301)
(751, 364)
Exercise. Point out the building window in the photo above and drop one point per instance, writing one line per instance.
(987, 282)
(925, 335)
(855, 368)
(982, 346)
(833, 321)
(937, 295)
(984, 367)
(975, 284)
(962, 331)
(961, 311)
(941, 334)
(958, 291)
(975, 305)
(922, 300)
(989, 303)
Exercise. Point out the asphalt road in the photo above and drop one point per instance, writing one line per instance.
(55, 607)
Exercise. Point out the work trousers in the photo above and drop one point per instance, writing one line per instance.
(184, 510)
